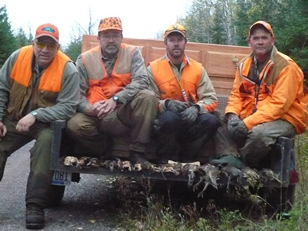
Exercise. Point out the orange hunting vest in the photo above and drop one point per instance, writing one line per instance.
(102, 86)
(21, 89)
(168, 85)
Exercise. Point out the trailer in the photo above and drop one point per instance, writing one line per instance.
(275, 183)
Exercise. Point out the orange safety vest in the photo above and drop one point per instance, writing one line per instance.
(21, 90)
(101, 85)
(168, 85)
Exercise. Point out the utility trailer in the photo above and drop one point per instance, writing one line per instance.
(274, 184)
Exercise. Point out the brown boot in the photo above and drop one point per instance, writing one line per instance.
(34, 216)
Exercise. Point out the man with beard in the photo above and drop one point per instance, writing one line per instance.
(186, 97)
(115, 96)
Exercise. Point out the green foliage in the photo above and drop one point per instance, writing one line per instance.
(22, 39)
(228, 22)
(8, 42)
(73, 49)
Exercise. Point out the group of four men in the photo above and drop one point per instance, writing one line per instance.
(111, 92)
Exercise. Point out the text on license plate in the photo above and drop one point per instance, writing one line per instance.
(61, 178)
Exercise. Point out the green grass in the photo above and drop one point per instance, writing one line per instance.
(142, 208)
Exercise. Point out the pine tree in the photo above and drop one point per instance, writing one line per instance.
(8, 42)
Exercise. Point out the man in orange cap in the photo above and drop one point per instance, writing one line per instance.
(38, 85)
(115, 96)
(186, 97)
(268, 100)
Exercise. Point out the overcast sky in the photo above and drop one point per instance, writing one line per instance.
(140, 18)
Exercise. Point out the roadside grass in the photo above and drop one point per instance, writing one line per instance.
(142, 207)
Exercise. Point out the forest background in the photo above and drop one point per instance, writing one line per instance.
(206, 21)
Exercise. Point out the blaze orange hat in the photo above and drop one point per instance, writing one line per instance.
(110, 23)
(175, 28)
(266, 25)
(47, 30)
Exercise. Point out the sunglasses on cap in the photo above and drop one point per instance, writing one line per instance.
(175, 28)
(50, 46)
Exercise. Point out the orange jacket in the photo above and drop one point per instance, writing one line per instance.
(102, 86)
(281, 94)
(170, 88)
(21, 87)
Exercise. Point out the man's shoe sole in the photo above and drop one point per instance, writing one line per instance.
(34, 226)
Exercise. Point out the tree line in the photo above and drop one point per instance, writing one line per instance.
(207, 21)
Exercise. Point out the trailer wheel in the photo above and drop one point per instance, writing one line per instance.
(280, 200)
(56, 195)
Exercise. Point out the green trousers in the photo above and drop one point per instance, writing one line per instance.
(40, 177)
(134, 118)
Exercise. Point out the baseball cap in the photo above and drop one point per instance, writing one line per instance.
(175, 28)
(49, 30)
(266, 25)
(110, 23)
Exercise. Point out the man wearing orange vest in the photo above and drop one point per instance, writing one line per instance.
(186, 97)
(116, 99)
(268, 100)
(38, 84)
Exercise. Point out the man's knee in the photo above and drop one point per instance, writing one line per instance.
(147, 96)
(208, 120)
(80, 125)
(169, 122)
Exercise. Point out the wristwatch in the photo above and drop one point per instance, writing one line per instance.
(34, 113)
(116, 99)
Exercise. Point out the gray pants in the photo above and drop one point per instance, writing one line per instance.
(258, 144)
(134, 118)
(40, 177)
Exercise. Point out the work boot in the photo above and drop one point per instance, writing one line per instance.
(230, 160)
(34, 216)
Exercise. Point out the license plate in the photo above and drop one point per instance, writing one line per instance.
(61, 178)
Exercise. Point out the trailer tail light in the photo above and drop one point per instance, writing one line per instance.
(293, 177)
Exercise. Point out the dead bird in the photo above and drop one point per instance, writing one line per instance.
(231, 173)
(126, 165)
(83, 161)
(212, 172)
(115, 164)
(105, 163)
(268, 175)
(251, 176)
(70, 161)
(94, 162)
(137, 167)
(190, 170)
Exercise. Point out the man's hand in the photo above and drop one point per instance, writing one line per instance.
(176, 106)
(25, 123)
(104, 107)
(233, 121)
(156, 125)
(190, 114)
(240, 131)
(3, 130)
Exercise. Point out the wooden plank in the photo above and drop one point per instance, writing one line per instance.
(218, 60)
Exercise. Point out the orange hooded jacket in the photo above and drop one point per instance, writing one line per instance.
(281, 94)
